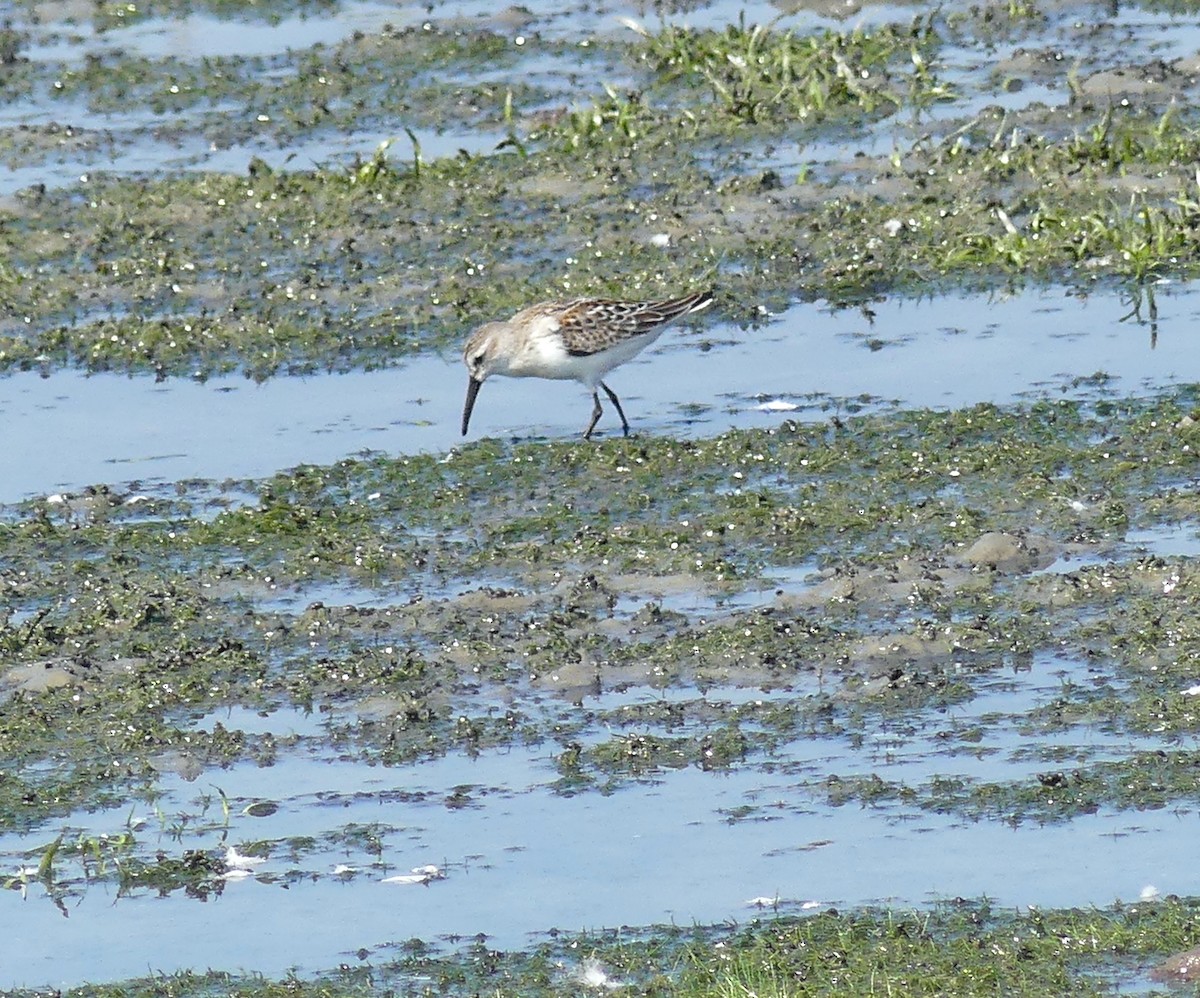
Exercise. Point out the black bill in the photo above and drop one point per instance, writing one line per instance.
(472, 390)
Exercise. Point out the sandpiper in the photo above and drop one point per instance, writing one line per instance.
(582, 339)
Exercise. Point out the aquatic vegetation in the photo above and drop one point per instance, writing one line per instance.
(956, 948)
(131, 625)
(298, 267)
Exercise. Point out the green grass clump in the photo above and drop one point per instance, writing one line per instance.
(758, 73)
(956, 949)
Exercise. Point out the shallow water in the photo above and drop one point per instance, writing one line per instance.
(946, 352)
(128, 141)
(522, 859)
(1170, 541)
(543, 866)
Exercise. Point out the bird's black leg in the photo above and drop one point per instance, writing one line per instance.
(617, 402)
(587, 434)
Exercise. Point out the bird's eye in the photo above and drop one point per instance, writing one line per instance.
(477, 360)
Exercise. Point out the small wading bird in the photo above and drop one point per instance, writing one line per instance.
(579, 340)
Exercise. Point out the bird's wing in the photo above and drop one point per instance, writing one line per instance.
(589, 325)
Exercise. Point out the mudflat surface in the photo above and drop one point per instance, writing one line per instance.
(888, 603)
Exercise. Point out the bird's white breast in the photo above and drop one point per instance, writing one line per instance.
(542, 354)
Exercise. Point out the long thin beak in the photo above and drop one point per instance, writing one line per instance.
(473, 387)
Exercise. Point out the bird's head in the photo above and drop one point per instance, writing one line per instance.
(484, 356)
